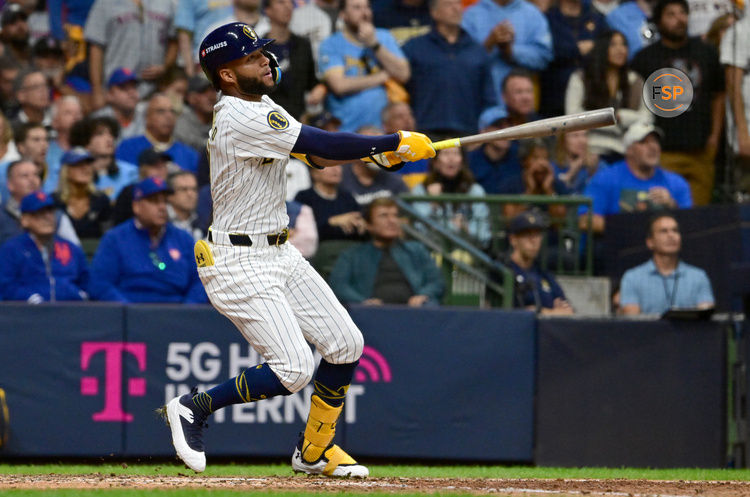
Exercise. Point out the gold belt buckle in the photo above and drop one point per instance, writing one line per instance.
(283, 233)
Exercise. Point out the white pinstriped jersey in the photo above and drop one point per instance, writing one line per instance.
(249, 146)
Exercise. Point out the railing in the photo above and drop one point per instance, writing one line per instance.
(565, 250)
(479, 267)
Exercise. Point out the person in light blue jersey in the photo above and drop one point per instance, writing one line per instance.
(664, 281)
(632, 20)
(192, 20)
(356, 64)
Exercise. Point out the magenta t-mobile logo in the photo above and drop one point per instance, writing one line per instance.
(373, 367)
(114, 352)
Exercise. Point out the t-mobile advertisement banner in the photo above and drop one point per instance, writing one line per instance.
(439, 384)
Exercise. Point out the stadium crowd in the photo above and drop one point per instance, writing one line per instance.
(105, 112)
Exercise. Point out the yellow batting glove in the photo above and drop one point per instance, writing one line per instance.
(414, 146)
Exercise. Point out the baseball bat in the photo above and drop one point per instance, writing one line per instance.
(544, 127)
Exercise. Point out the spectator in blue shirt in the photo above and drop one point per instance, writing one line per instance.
(638, 183)
(147, 259)
(632, 20)
(514, 32)
(150, 164)
(574, 163)
(518, 95)
(23, 179)
(448, 45)
(38, 266)
(495, 165)
(193, 20)
(160, 124)
(356, 63)
(535, 289)
(664, 282)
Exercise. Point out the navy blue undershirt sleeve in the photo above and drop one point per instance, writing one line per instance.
(341, 145)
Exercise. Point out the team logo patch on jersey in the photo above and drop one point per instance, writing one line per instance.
(249, 32)
(277, 121)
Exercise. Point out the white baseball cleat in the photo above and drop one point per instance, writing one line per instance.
(187, 421)
(333, 462)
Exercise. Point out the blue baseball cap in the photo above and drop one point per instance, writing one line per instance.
(75, 156)
(528, 221)
(36, 201)
(120, 76)
(150, 186)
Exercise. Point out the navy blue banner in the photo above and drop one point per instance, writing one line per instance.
(447, 384)
(436, 384)
(57, 366)
(631, 393)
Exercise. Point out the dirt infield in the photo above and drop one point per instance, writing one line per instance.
(513, 487)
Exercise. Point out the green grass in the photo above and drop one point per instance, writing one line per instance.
(473, 471)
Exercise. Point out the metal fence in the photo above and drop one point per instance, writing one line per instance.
(469, 236)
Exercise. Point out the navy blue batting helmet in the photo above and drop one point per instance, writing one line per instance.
(231, 42)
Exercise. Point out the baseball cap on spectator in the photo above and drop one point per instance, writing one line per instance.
(527, 221)
(495, 116)
(150, 186)
(36, 201)
(11, 13)
(120, 76)
(47, 47)
(198, 84)
(151, 156)
(324, 119)
(640, 130)
(75, 156)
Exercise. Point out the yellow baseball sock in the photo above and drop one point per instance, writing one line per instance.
(320, 429)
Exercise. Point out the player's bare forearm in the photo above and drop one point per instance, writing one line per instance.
(170, 56)
(597, 223)
(185, 45)
(96, 64)
(344, 85)
(734, 77)
(395, 66)
(717, 117)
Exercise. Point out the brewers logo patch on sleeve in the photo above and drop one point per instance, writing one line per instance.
(277, 121)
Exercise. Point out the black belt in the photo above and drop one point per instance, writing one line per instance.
(244, 240)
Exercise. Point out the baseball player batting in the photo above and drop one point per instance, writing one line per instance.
(256, 279)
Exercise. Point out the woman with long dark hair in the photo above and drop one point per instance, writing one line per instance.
(606, 81)
(448, 174)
